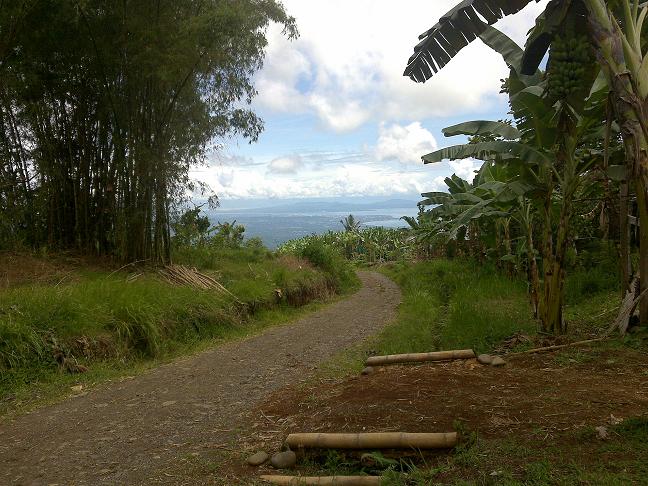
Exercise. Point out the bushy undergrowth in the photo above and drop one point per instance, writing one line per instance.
(339, 271)
(450, 304)
(366, 245)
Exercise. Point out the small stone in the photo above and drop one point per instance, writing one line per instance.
(368, 370)
(485, 359)
(497, 361)
(368, 460)
(284, 460)
(76, 388)
(258, 458)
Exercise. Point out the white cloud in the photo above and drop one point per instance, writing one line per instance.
(347, 65)
(407, 144)
(285, 165)
(465, 168)
(346, 174)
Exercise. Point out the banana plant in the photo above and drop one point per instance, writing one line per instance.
(613, 28)
(543, 148)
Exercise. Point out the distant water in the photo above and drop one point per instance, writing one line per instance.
(275, 228)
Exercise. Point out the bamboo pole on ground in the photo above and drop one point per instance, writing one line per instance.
(375, 440)
(420, 357)
(330, 480)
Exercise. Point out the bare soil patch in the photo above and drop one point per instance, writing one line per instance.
(543, 402)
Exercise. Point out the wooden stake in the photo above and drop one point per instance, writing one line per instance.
(376, 440)
(331, 480)
(554, 348)
(420, 357)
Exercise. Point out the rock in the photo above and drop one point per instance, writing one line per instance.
(284, 460)
(485, 359)
(497, 361)
(258, 458)
(367, 460)
(76, 388)
(368, 370)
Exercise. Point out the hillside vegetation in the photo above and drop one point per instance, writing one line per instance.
(68, 321)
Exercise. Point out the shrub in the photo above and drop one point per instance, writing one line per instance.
(341, 275)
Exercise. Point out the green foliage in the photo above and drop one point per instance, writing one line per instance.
(327, 258)
(190, 229)
(367, 245)
(454, 304)
(105, 106)
(95, 317)
(350, 223)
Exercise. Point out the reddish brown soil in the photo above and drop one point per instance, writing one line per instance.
(541, 400)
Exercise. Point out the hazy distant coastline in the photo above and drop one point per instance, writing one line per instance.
(277, 221)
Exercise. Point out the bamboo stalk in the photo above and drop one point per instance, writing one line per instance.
(330, 480)
(553, 348)
(375, 440)
(420, 357)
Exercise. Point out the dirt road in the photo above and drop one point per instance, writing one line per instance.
(128, 432)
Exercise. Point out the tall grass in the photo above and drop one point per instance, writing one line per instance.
(449, 304)
(97, 316)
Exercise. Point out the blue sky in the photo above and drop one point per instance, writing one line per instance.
(341, 120)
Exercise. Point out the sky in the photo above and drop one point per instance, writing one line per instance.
(341, 119)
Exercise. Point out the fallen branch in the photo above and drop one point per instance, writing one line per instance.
(420, 357)
(556, 347)
(331, 480)
(375, 440)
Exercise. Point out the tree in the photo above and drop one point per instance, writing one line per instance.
(104, 107)
(350, 223)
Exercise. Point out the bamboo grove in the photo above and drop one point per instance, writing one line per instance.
(576, 147)
(104, 107)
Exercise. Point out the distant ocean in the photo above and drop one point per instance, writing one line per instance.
(276, 225)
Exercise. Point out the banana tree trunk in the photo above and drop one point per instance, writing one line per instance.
(624, 239)
(507, 245)
(534, 275)
(630, 108)
(642, 202)
(553, 297)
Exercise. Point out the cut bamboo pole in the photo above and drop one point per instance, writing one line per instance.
(420, 357)
(375, 440)
(556, 347)
(331, 480)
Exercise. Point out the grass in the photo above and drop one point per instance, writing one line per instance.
(115, 327)
(451, 304)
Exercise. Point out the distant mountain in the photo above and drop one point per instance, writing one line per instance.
(307, 206)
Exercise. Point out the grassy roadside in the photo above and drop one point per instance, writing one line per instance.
(97, 325)
(455, 304)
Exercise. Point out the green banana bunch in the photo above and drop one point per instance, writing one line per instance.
(569, 59)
